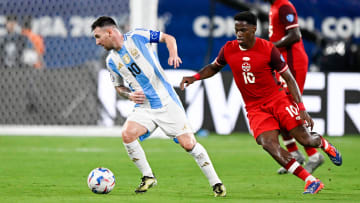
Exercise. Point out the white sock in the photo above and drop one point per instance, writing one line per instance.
(315, 157)
(311, 178)
(137, 155)
(202, 159)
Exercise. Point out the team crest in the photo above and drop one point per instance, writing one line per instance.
(246, 67)
(126, 58)
(134, 52)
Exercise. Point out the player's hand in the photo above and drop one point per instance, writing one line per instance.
(174, 61)
(137, 97)
(188, 81)
(308, 120)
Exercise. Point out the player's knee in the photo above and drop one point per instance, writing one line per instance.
(129, 135)
(306, 142)
(188, 146)
(187, 142)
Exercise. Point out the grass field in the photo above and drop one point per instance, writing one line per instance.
(54, 169)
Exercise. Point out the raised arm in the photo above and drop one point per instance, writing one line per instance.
(170, 41)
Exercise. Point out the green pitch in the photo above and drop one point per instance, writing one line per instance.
(55, 169)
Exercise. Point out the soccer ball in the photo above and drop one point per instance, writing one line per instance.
(101, 181)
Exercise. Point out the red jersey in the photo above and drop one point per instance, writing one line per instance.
(253, 70)
(283, 17)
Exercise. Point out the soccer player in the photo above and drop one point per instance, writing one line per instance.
(284, 33)
(132, 59)
(269, 109)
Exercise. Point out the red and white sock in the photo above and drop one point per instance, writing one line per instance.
(295, 168)
(324, 144)
(290, 144)
(310, 151)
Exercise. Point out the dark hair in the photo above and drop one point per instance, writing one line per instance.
(246, 16)
(103, 21)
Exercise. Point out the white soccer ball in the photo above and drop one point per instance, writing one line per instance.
(101, 181)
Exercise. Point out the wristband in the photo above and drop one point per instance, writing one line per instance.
(301, 106)
(197, 76)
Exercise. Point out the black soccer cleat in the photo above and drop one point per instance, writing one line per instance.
(219, 190)
(146, 183)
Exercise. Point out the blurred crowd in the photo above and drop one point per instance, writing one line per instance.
(20, 47)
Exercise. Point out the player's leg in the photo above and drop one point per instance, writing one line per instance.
(136, 125)
(173, 121)
(315, 158)
(199, 153)
(307, 139)
(270, 142)
(290, 144)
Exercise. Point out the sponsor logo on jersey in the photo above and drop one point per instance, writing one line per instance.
(246, 66)
(290, 18)
(245, 58)
(126, 58)
(134, 52)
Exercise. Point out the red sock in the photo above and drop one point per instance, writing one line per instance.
(310, 151)
(295, 168)
(290, 144)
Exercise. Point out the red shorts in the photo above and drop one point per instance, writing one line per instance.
(279, 113)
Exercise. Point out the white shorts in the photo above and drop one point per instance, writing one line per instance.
(171, 118)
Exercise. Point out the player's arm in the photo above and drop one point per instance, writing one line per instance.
(288, 18)
(118, 82)
(292, 36)
(207, 71)
(292, 85)
(295, 93)
(170, 41)
(277, 62)
(137, 96)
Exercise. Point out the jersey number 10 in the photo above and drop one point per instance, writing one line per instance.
(134, 69)
(249, 77)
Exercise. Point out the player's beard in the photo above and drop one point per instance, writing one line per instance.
(108, 48)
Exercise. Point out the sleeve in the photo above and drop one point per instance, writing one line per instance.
(151, 36)
(220, 59)
(116, 78)
(277, 61)
(288, 17)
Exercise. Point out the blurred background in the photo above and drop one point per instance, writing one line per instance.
(54, 80)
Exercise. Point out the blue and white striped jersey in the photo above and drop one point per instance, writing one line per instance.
(138, 65)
